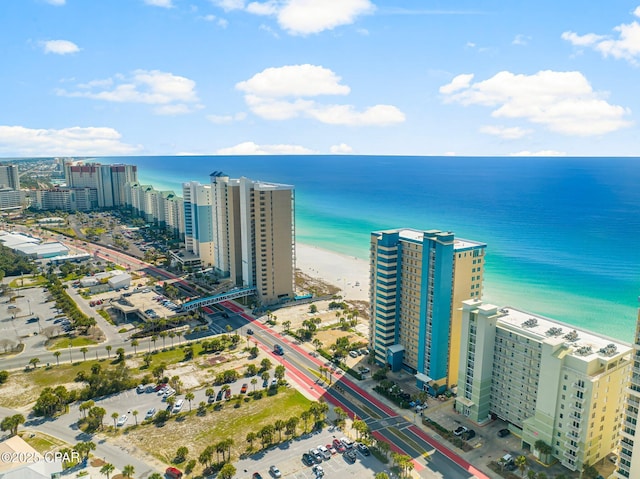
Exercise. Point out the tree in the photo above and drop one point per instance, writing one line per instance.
(313, 309)
(156, 475)
(531, 474)
(84, 350)
(114, 416)
(189, 397)
(11, 423)
(521, 463)
(589, 472)
(251, 436)
(382, 475)
(120, 355)
(135, 415)
(254, 381)
(292, 424)
(108, 347)
(34, 362)
(134, 344)
(316, 343)
(107, 469)
(57, 355)
(286, 325)
(227, 471)
(305, 416)
(279, 372)
(128, 470)
(84, 448)
(544, 449)
(279, 426)
(181, 454)
(97, 414)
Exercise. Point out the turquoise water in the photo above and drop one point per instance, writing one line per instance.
(562, 234)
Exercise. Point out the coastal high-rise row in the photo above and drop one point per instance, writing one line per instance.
(163, 208)
(254, 234)
(418, 281)
(628, 466)
(108, 181)
(9, 177)
(554, 385)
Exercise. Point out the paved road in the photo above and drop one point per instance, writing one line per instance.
(386, 423)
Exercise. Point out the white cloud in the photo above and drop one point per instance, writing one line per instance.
(521, 40)
(159, 3)
(304, 17)
(60, 47)
(75, 141)
(251, 148)
(564, 102)
(176, 94)
(57, 3)
(294, 80)
(624, 45)
(341, 149)
(223, 119)
(283, 93)
(512, 133)
(539, 153)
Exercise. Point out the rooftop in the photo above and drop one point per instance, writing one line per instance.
(459, 244)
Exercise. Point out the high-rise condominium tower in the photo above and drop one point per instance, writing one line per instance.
(108, 181)
(9, 177)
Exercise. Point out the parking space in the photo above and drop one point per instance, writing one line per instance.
(288, 458)
(27, 315)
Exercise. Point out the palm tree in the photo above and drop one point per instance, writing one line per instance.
(84, 350)
(163, 335)
(108, 347)
(107, 469)
(305, 416)
(34, 362)
(279, 425)
(251, 436)
(114, 416)
(189, 397)
(521, 463)
(134, 344)
(179, 334)
(156, 475)
(57, 355)
(135, 415)
(171, 336)
(128, 470)
(254, 381)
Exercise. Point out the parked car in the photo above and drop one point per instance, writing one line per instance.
(256, 475)
(307, 459)
(150, 413)
(325, 452)
(364, 449)
(173, 473)
(244, 388)
(331, 449)
(122, 420)
(275, 472)
(317, 456)
(318, 470)
(219, 395)
(348, 443)
(350, 455)
(459, 430)
(467, 436)
(178, 406)
(337, 443)
(353, 354)
(503, 433)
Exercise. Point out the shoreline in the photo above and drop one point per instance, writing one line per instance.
(349, 273)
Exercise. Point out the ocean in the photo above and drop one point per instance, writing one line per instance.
(562, 234)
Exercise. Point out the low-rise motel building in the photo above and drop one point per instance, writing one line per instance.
(548, 380)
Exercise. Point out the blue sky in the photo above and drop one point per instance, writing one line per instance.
(165, 77)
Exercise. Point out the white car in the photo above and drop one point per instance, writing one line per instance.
(275, 472)
(178, 406)
(150, 413)
(325, 452)
(122, 420)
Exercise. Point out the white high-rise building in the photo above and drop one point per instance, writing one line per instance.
(9, 177)
(198, 221)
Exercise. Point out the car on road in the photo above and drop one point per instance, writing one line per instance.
(460, 430)
(503, 432)
(150, 413)
(363, 449)
(275, 472)
(122, 420)
(244, 388)
(337, 443)
(249, 331)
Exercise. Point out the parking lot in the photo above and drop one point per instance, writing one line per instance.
(288, 458)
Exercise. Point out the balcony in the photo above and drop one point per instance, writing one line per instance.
(577, 408)
(573, 435)
(577, 429)
(568, 455)
(577, 387)
(574, 416)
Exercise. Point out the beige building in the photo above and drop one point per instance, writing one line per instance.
(548, 380)
(254, 234)
(628, 465)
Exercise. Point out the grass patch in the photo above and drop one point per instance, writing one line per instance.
(42, 442)
(53, 375)
(74, 342)
(167, 356)
(107, 318)
(197, 432)
(396, 432)
(28, 282)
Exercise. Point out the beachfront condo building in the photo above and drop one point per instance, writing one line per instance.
(628, 465)
(552, 383)
(199, 221)
(254, 235)
(418, 282)
(162, 208)
(65, 199)
(108, 181)
(9, 177)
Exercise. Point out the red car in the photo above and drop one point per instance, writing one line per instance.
(173, 473)
(244, 388)
(338, 445)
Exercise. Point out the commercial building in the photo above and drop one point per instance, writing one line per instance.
(551, 382)
(198, 221)
(108, 181)
(628, 465)
(418, 281)
(9, 177)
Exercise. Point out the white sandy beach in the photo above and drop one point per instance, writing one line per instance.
(349, 273)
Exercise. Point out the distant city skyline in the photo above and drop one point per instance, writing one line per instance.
(179, 77)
